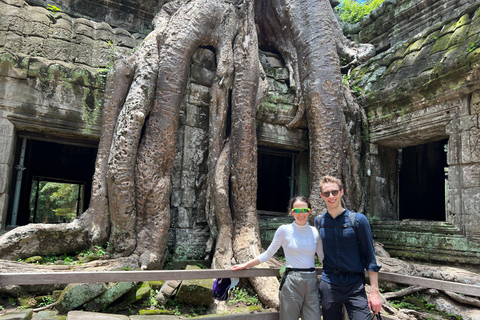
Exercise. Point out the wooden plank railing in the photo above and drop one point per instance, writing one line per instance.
(150, 275)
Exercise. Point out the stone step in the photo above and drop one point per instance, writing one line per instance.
(429, 241)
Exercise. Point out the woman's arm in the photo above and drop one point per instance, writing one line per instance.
(248, 264)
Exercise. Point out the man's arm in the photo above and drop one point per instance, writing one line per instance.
(374, 299)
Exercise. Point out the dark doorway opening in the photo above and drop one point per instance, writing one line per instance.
(61, 167)
(276, 181)
(422, 182)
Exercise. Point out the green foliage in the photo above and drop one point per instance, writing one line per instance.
(351, 11)
(472, 47)
(53, 8)
(357, 91)
(56, 202)
(403, 305)
(242, 295)
(46, 301)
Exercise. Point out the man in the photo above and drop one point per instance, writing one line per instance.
(347, 255)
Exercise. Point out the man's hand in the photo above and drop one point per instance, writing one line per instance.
(374, 301)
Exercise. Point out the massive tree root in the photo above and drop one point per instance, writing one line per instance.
(131, 188)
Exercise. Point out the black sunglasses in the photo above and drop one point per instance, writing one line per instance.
(326, 194)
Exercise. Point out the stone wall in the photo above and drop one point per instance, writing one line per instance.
(132, 15)
(52, 74)
(426, 88)
(399, 20)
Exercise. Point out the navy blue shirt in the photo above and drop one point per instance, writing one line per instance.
(343, 263)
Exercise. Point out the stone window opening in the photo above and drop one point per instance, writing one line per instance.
(65, 164)
(423, 187)
(277, 180)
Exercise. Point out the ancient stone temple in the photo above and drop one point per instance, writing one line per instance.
(421, 93)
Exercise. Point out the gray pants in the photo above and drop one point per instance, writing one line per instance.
(299, 297)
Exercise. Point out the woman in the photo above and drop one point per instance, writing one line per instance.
(299, 287)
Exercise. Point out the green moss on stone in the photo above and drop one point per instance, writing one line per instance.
(449, 28)
(416, 46)
(394, 67)
(459, 36)
(441, 44)
(473, 58)
(464, 20)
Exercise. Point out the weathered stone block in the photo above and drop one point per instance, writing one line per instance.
(63, 28)
(5, 174)
(4, 198)
(475, 103)
(13, 65)
(176, 197)
(473, 58)
(471, 203)
(18, 315)
(204, 58)
(114, 292)
(188, 198)
(199, 95)
(75, 295)
(82, 315)
(468, 122)
(196, 292)
(184, 218)
(14, 42)
(103, 32)
(13, 18)
(84, 27)
(56, 49)
(201, 75)
(441, 44)
(124, 38)
(416, 46)
(471, 175)
(82, 50)
(277, 86)
(196, 117)
(459, 36)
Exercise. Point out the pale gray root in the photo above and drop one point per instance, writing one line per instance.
(218, 110)
(463, 299)
(403, 292)
(224, 252)
(397, 266)
(353, 53)
(123, 150)
(246, 243)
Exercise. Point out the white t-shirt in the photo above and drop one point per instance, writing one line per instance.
(299, 245)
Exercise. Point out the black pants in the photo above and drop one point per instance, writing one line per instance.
(353, 296)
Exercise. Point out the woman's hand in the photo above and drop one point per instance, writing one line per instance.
(239, 267)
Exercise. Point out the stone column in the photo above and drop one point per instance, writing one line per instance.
(7, 155)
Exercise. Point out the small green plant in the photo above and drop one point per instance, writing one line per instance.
(127, 268)
(46, 301)
(53, 8)
(472, 47)
(352, 11)
(403, 305)
(242, 295)
(1, 307)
